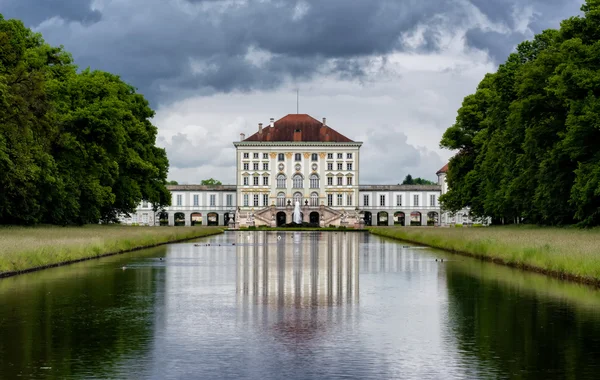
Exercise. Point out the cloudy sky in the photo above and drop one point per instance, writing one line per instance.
(390, 73)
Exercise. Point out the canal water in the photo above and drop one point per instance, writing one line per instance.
(271, 305)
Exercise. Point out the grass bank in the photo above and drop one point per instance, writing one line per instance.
(567, 253)
(24, 249)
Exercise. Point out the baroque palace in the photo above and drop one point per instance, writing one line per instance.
(300, 159)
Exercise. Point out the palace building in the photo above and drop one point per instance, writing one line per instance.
(299, 159)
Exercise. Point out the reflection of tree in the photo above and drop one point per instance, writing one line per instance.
(78, 320)
(518, 332)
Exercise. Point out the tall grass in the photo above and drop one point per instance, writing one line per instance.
(27, 248)
(562, 252)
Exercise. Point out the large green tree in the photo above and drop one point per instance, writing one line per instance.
(527, 139)
(75, 147)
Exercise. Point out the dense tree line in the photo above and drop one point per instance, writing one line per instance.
(409, 180)
(75, 147)
(528, 139)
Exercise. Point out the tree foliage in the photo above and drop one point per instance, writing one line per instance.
(409, 180)
(210, 182)
(527, 138)
(75, 147)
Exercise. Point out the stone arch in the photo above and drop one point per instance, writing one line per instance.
(212, 219)
(163, 218)
(415, 218)
(382, 218)
(433, 218)
(314, 218)
(368, 218)
(399, 218)
(196, 219)
(179, 219)
(281, 218)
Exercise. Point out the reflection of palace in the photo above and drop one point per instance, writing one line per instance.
(298, 268)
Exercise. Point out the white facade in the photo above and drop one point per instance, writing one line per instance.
(462, 217)
(278, 174)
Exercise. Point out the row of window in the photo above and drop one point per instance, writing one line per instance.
(212, 200)
(255, 166)
(382, 200)
(297, 156)
(265, 166)
(282, 201)
(297, 181)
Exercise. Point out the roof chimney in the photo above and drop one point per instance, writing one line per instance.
(272, 122)
(324, 121)
(259, 127)
(242, 137)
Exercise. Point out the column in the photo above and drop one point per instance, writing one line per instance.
(424, 218)
(188, 219)
(171, 218)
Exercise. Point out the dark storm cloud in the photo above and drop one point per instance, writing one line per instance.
(170, 49)
(32, 12)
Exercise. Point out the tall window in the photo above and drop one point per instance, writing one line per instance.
(281, 200)
(265, 166)
(255, 155)
(340, 181)
(213, 199)
(280, 157)
(399, 200)
(432, 200)
(340, 166)
(229, 199)
(265, 156)
(314, 181)
(255, 180)
(330, 156)
(339, 200)
(255, 166)
(298, 198)
(281, 181)
(245, 180)
(265, 181)
(365, 200)
(329, 166)
(246, 200)
(349, 156)
(246, 166)
(349, 166)
(382, 200)
(246, 155)
(255, 200)
(179, 199)
(329, 181)
(329, 199)
(340, 156)
(314, 157)
(415, 200)
(298, 181)
(349, 181)
(314, 199)
(349, 200)
(265, 200)
(298, 157)
(196, 199)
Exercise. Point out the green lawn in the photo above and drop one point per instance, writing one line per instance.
(564, 252)
(26, 248)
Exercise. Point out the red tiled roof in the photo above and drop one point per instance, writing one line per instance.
(298, 127)
(444, 169)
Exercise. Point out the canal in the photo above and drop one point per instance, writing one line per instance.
(274, 305)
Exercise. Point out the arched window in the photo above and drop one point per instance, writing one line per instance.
(314, 181)
(298, 198)
(281, 200)
(281, 181)
(314, 199)
(298, 181)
